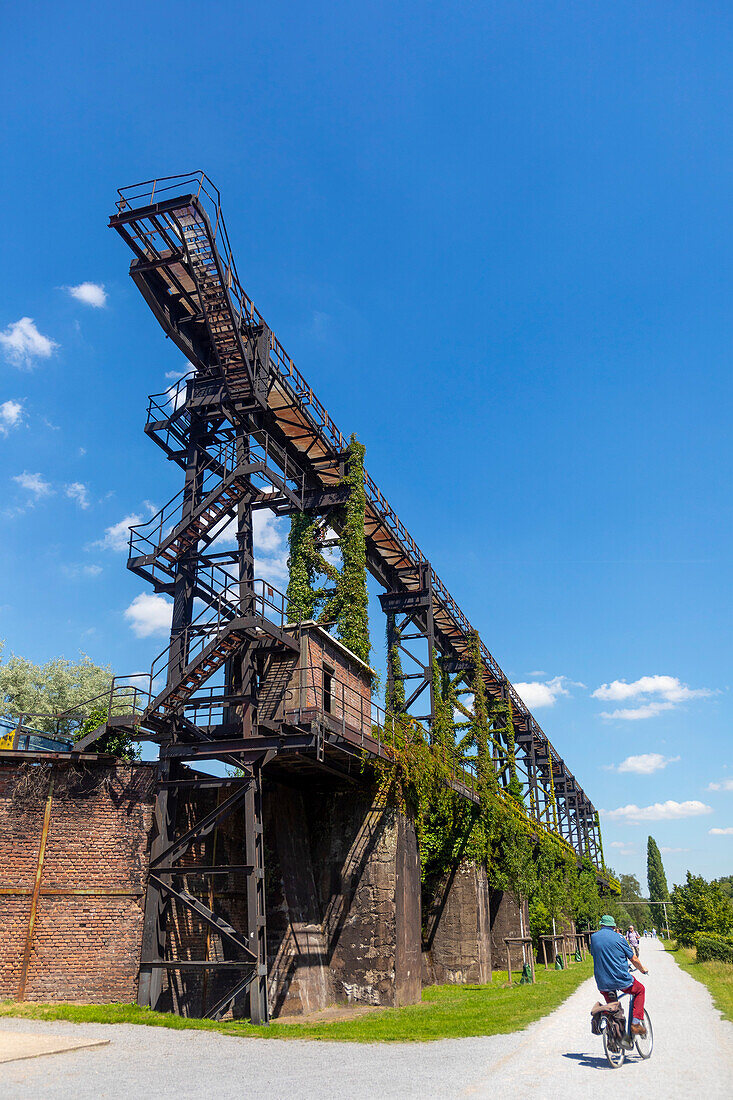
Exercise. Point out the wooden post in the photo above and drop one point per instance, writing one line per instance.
(36, 892)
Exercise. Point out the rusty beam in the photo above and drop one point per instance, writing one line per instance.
(35, 893)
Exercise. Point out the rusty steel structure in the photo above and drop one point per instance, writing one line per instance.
(248, 432)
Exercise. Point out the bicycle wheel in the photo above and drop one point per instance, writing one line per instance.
(646, 1046)
(615, 1053)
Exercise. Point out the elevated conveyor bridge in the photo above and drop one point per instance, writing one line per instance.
(248, 432)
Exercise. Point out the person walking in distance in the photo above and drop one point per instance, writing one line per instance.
(632, 938)
(611, 957)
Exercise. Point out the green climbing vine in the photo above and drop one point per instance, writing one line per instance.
(395, 698)
(423, 770)
(553, 800)
(520, 855)
(346, 605)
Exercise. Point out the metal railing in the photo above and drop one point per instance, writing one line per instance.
(255, 598)
(120, 699)
(145, 538)
(208, 199)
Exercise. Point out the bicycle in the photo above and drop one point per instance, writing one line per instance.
(617, 1049)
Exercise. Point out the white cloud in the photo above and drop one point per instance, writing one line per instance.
(724, 785)
(74, 571)
(270, 544)
(645, 764)
(655, 694)
(670, 851)
(721, 832)
(91, 294)
(149, 614)
(268, 531)
(269, 534)
(23, 343)
(659, 811)
(623, 848)
(175, 397)
(78, 492)
(11, 416)
(34, 484)
(544, 693)
(117, 537)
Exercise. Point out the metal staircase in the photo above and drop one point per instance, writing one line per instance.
(213, 287)
(248, 431)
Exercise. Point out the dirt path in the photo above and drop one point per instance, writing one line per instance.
(693, 1047)
(556, 1057)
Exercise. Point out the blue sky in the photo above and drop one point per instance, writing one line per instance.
(497, 241)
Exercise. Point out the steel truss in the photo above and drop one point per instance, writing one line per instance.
(248, 432)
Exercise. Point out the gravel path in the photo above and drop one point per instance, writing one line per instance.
(556, 1057)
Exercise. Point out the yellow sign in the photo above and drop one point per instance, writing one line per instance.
(7, 738)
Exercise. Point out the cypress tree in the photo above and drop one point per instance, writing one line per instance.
(656, 880)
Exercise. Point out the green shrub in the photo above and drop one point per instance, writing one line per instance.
(700, 906)
(714, 948)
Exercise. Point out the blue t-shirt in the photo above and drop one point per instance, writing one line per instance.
(611, 954)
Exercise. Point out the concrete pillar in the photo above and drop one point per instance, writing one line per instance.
(507, 919)
(299, 975)
(343, 888)
(459, 931)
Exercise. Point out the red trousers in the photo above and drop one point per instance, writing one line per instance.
(638, 992)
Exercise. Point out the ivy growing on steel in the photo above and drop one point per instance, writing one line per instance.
(346, 604)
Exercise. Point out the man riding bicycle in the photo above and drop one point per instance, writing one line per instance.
(611, 957)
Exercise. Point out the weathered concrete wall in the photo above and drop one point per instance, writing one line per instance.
(85, 940)
(342, 878)
(299, 973)
(343, 901)
(507, 920)
(458, 944)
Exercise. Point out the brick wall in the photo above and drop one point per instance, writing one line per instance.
(84, 946)
(351, 691)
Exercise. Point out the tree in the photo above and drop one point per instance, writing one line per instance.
(633, 902)
(726, 885)
(656, 880)
(79, 687)
(51, 688)
(700, 906)
(115, 742)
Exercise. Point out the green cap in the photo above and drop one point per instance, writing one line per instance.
(608, 921)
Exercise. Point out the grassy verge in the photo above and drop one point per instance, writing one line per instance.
(717, 976)
(446, 1012)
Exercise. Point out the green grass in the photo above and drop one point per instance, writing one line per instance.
(717, 976)
(446, 1012)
